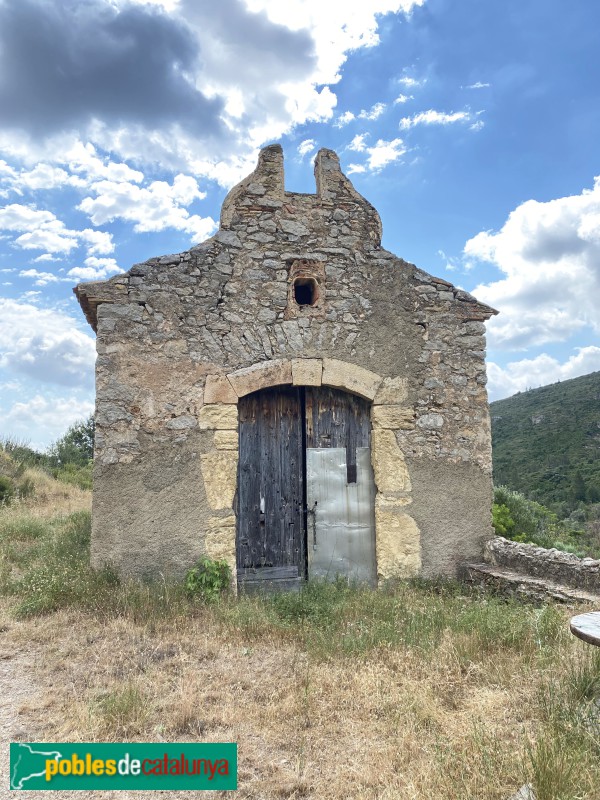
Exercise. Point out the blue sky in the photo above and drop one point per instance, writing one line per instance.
(472, 126)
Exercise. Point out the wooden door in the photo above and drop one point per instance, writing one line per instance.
(270, 544)
(305, 505)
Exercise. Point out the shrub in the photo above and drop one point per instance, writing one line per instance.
(502, 521)
(7, 490)
(74, 474)
(208, 579)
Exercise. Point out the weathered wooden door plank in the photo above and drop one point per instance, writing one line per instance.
(270, 531)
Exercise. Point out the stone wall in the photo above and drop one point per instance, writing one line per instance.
(182, 337)
(549, 565)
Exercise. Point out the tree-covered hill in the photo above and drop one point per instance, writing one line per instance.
(546, 441)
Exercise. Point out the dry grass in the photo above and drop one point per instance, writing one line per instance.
(50, 498)
(393, 723)
(418, 691)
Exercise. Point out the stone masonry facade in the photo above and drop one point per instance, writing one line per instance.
(182, 337)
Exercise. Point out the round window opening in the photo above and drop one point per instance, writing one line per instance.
(305, 291)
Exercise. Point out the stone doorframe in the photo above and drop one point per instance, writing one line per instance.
(397, 537)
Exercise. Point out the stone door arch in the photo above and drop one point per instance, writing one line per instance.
(397, 537)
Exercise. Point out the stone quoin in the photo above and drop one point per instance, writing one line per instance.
(290, 397)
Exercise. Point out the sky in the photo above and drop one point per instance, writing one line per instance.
(471, 126)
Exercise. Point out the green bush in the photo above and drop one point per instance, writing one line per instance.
(7, 490)
(75, 474)
(502, 521)
(523, 520)
(208, 579)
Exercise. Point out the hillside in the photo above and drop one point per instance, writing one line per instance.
(546, 441)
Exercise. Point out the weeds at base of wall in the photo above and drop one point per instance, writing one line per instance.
(208, 580)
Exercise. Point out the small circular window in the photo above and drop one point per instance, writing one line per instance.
(305, 291)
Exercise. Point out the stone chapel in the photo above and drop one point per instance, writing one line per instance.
(290, 397)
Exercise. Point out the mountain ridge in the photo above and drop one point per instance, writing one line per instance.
(546, 441)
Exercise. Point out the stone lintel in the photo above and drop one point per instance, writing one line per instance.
(307, 371)
(261, 376)
(350, 377)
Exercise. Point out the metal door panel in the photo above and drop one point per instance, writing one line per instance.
(341, 530)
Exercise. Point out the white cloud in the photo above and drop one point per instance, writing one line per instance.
(432, 117)
(6, 170)
(40, 278)
(337, 26)
(83, 159)
(358, 143)
(47, 417)
(45, 345)
(530, 373)
(179, 110)
(80, 166)
(372, 113)
(44, 231)
(478, 85)
(384, 153)
(45, 257)
(451, 263)
(352, 168)
(17, 217)
(306, 147)
(549, 254)
(411, 83)
(403, 98)
(344, 119)
(42, 176)
(153, 208)
(379, 155)
(52, 236)
(95, 269)
(97, 242)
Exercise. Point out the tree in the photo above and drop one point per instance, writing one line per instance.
(76, 446)
(578, 487)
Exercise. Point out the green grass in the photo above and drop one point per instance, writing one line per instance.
(337, 619)
(46, 568)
